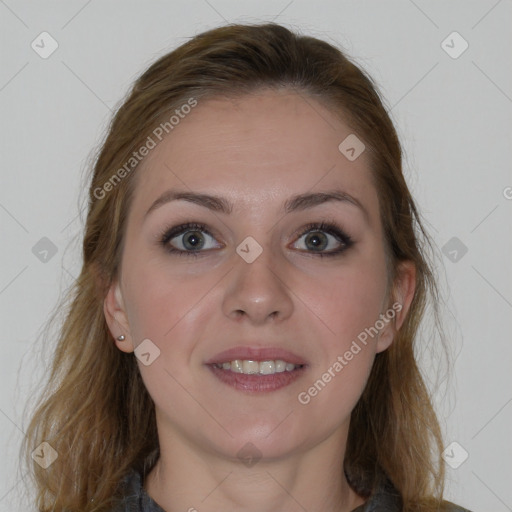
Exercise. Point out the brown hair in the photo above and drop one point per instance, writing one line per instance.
(95, 411)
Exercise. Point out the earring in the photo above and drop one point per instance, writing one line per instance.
(121, 338)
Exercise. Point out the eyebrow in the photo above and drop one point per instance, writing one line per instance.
(295, 203)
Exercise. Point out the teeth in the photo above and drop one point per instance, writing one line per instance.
(249, 367)
(280, 366)
(267, 367)
(235, 366)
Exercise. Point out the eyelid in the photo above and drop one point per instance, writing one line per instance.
(327, 226)
(170, 232)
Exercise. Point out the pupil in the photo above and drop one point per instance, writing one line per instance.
(315, 240)
(193, 240)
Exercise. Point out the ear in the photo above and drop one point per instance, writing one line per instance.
(116, 317)
(401, 298)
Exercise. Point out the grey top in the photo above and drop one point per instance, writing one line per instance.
(136, 499)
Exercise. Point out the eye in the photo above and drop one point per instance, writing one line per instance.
(325, 239)
(191, 239)
(187, 239)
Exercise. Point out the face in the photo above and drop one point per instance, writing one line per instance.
(266, 280)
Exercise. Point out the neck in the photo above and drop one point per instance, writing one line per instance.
(186, 478)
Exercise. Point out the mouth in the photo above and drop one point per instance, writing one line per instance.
(257, 370)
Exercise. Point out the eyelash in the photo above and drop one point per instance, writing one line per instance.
(328, 227)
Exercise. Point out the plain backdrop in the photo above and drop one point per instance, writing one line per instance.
(452, 106)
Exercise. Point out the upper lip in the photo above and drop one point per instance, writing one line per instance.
(256, 354)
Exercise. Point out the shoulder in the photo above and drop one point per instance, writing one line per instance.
(448, 506)
(133, 496)
(386, 498)
(129, 489)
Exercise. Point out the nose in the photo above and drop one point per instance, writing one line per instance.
(258, 290)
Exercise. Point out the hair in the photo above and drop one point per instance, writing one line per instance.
(95, 410)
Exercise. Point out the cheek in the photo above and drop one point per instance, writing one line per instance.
(347, 303)
(348, 312)
(168, 311)
(163, 305)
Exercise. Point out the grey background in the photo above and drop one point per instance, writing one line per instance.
(453, 115)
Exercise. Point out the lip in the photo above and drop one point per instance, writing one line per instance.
(256, 354)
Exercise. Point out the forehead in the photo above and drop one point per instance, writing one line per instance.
(256, 148)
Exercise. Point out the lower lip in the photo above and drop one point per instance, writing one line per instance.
(257, 383)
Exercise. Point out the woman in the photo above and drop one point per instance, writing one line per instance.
(241, 335)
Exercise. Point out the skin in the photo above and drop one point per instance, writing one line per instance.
(255, 151)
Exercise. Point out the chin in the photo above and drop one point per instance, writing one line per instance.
(263, 439)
